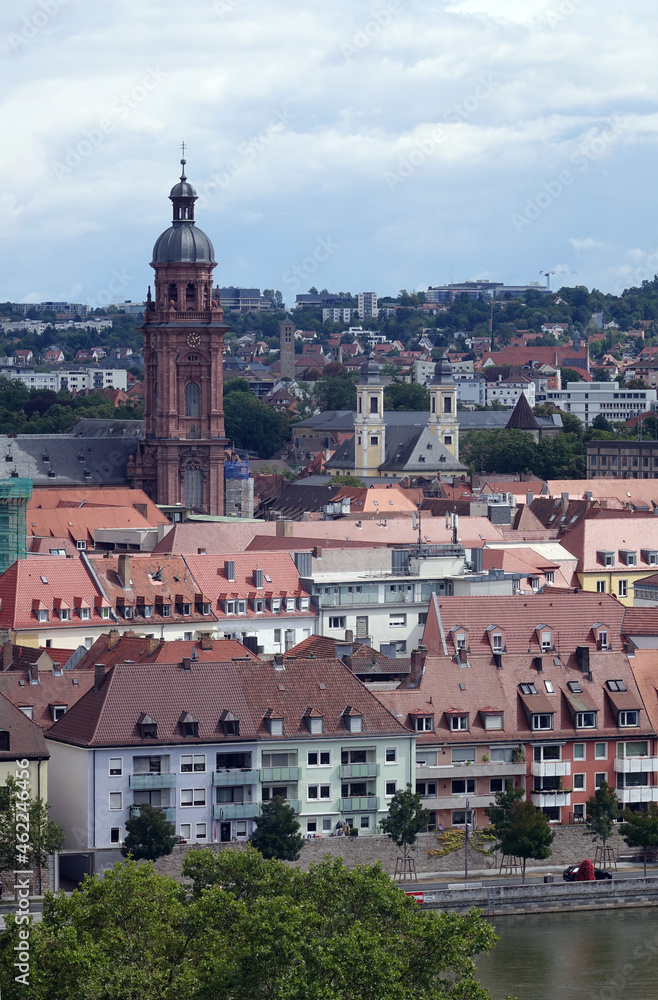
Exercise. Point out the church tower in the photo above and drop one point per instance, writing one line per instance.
(443, 406)
(181, 459)
(369, 424)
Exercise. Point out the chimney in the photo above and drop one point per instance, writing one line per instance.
(229, 569)
(7, 655)
(187, 663)
(538, 664)
(349, 635)
(284, 529)
(417, 664)
(152, 645)
(113, 638)
(123, 570)
(278, 661)
(462, 655)
(99, 676)
(206, 642)
(564, 503)
(258, 579)
(529, 497)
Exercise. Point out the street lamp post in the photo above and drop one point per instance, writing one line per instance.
(467, 833)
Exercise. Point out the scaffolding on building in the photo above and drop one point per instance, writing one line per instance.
(14, 496)
(238, 490)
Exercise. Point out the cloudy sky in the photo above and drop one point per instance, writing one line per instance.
(351, 145)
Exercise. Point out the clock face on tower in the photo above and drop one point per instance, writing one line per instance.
(193, 339)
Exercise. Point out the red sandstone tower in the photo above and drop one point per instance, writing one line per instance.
(181, 459)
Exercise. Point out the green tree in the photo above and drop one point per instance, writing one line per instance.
(150, 835)
(406, 396)
(602, 810)
(337, 393)
(277, 831)
(406, 818)
(640, 829)
(499, 813)
(251, 424)
(526, 834)
(601, 423)
(347, 481)
(45, 836)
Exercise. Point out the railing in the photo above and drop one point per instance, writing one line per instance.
(635, 765)
(235, 810)
(551, 768)
(279, 773)
(639, 793)
(144, 782)
(547, 798)
(470, 770)
(235, 776)
(358, 771)
(359, 803)
(169, 811)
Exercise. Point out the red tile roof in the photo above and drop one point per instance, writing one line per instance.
(209, 572)
(439, 690)
(63, 689)
(35, 580)
(569, 617)
(112, 648)
(160, 580)
(108, 715)
(25, 737)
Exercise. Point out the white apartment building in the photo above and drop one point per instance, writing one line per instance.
(71, 380)
(587, 399)
(508, 391)
(471, 391)
(339, 315)
(367, 305)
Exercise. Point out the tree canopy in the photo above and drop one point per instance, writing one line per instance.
(522, 830)
(251, 930)
(602, 810)
(406, 818)
(640, 829)
(277, 831)
(149, 834)
(251, 424)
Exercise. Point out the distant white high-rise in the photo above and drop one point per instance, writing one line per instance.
(367, 305)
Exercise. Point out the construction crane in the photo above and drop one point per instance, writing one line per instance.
(547, 275)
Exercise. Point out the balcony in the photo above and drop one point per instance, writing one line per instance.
(635, 765)
(235, 776)
(437, 772)
(169, 811)
(359, 803)
(457, 801)
(551, 768)
(145, 782)
(280, 773)
(544, 799)
(358, 771)
(235, 810)
(640, 793)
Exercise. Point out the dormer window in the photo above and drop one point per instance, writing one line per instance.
(230, 723)
(314, 722)
(148, 727)
(424, 723)
(276, 605)
(628, 557)
(602, 640)
(606, 558)
(492, 720)
(458, 723)
(542, 720)
(545, 636)
(275, 726)
(585, 720)
(628, 718)
(229, 607)
(189, 725)
(353, 720)
(57, 711)
(650, 557)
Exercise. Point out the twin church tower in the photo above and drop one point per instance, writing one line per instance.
(181, 457)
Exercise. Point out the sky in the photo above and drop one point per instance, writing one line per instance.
(353, 146)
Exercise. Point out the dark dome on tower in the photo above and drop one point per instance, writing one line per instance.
(183, 243)
(442, 372)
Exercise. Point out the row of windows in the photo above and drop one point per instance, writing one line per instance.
(242, 760)
(505, 755)
(634, 461)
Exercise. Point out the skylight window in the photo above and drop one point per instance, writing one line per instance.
(528, 688)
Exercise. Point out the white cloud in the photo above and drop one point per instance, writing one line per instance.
(516, 95)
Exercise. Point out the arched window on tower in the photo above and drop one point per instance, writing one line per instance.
(191, 399)
(173, 292)
(374, 404)
(190, 292)
(193, 486)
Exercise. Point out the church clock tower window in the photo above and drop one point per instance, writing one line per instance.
(181, 458)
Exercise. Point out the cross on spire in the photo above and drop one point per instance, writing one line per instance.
(182, 148)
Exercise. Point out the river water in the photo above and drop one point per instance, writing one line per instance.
(590, 955)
